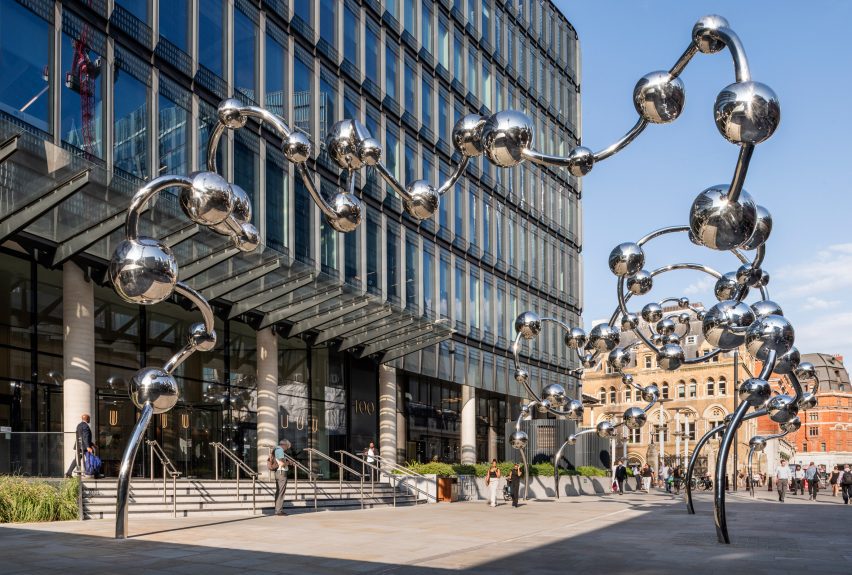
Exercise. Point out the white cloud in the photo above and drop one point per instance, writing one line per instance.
(824, 333)
(816, 303)
(702, 286)
(829, 271)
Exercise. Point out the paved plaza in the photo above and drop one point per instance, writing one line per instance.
(634, 533)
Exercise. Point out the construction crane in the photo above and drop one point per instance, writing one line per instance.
(81, 79)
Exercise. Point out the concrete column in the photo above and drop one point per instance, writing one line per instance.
(401, 429)
(267, 394)
(468, 425)
(387, 413)
(78, 354)
(492, 431)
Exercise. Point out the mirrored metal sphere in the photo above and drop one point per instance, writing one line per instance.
(248, 238)
(370, 151)
(522, 376)
(343, 143)
(657, 339)
(589, 360)
(787, 362)
(763, 281)
(806, 371)
(673, 338)
(640, 283)
(582, 160)
(747, 275)
(241, 213)
(650, 392)
(143, 271)
(629, 321)
(792, 426)
(808, 401)
(603, 338)
(574, 410)
(770, 333)
(626, 259)
(618, 358)
(544, 406)
(683, 318)
(671, 357)
(348, 211)
(766, 307)
(722, 224)
(727, 287)
(424, 200)
(683, 302)
(762, 229)
(726, 323)
(467, 135)
(757, 443)
(782, 408)
(755, 391)
(297, 147)
(505, 135)
(200, 338)
(576, 338)
(666, 326)
(658, 97)
(747, 112)
(519, 439)
(528, 324)
(554, 394)
(209, 200)
(605, 429)
(634, 417)
(229, 114)
(154, 386)
(704, 36)
(627, 379)
(652, 312)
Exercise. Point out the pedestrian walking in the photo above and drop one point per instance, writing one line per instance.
(82, 444)
(635, 468)
(677, 479)
(647, 477)
(370, 454)
(620, 476)
(812, 476)
(845, 481)
(798, 480)
(492, 481)
(832, 480)
(782, 479)
(665, 472)
(515, 483)
(280, 466)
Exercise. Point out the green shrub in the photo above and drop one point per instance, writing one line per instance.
(590, 471)
(25, 501)
(481, 469)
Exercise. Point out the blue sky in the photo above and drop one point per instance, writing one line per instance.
(800, 175)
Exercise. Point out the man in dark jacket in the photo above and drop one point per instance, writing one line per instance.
(515, 483)
(82, 444)
(620, 476)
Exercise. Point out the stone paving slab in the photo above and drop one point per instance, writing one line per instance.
(636, 533)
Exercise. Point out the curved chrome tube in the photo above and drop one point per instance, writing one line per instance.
(622, 143)
(192, 345)
(316, 196)
(391, 180)
(738, 180)
(126, 471)
(735, 47)
(678, 67)
(144, 195)
(454, 177)
(690, 469)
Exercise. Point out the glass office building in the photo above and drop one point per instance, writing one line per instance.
(398, 332)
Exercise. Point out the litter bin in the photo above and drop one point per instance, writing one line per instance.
(448, 489)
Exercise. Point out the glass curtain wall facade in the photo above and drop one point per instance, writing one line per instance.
(140, 100)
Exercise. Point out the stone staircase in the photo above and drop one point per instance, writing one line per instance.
(200, 497)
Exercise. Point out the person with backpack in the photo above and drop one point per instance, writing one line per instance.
(845, 481)
(812, 476)
(83, 446)
(277, 463)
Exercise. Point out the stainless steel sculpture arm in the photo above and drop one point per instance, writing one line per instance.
(144, 195)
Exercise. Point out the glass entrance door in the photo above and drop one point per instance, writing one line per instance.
(186, 434)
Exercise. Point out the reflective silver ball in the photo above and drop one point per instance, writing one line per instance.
(505, 135)
(248, 238)
(640, 283)
(808, 401)
(229, 114)
(581, 161)
(155, 386)
(544, 406)
(467, 135)
(747, 112)
(603, 338)
(657, 339)
(343, 142)
(762, 229)
(722, 224)
(200, 338)
(700, 315)
(666, 326)
(757, 443)
(806, 371)
(763, 281)
(755, 391)
(605, 429)
(519, 439)
(589, 360)
(618, 359)
(627, 379)
(528, 324)
(673, 338)
(766, 307)
(658, 97)
(522, 376)
(424, 200)
(683, 318)
(770, 333)
(143, 271)
(671, 357)
(370, 151)
(683, 303)
(747, 275)
(727, 287)
(576, 338)
(209, 200)
(241, 213)
(650, 392)
(297, 147)
(787, 362)
(704, 36)
(629, 321)
(652, 312)
(574, 410)
(348, 210)
(782, 408)
(554, 394)
(634, 417)
(726, 323)
(626, 259)
(792, 426)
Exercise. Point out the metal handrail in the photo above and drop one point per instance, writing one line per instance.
(396, 478)
(168, 467)
(297, 465)
(218, 447)
(341, 467)
(401, 468)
